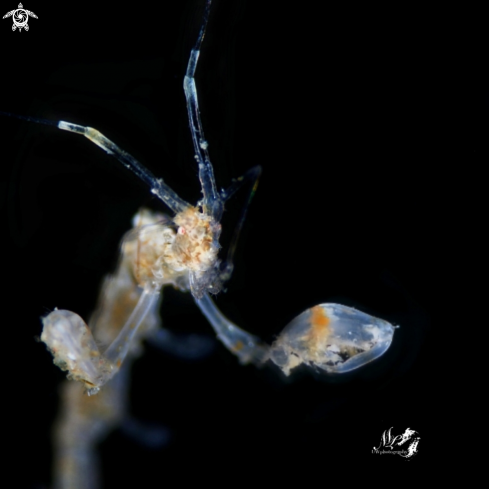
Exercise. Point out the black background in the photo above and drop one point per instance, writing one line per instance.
(338, 110)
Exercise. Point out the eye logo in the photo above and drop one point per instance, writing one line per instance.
(408, 441)
(20, 16)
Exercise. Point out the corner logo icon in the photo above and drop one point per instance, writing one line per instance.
(409, 439)
(20, 16)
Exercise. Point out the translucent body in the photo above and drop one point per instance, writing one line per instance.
(332, 337)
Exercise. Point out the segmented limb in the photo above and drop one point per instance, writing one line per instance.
(251, 176)
(117, 351)
(248, 348)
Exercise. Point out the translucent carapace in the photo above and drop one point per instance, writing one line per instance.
(332, 337)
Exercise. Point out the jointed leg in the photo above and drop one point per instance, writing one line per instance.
(248, 348)
(251, 176)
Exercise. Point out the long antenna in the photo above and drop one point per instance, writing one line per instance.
(157, 186)
(212, 202)
(37, 120)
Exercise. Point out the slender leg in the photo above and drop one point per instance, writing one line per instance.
(248, 348)
(252, 176)
(117, 351)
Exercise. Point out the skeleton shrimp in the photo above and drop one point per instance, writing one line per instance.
(184, 254)
(183, 251)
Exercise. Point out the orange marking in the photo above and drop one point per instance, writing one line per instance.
(319, 324)
(238, 346)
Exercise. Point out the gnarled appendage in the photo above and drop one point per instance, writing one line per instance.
(332, 337)
(74, 349)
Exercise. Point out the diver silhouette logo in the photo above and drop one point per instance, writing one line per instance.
(408, 441)
(20, 16)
